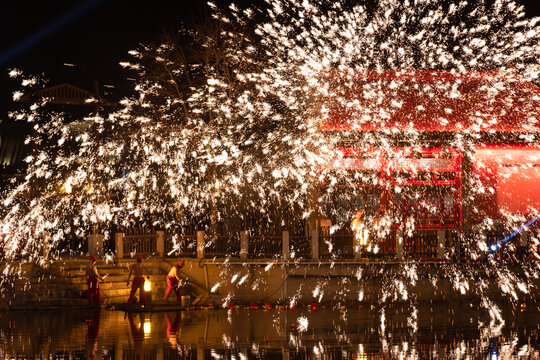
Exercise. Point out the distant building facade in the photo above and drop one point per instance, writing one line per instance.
(402, 147)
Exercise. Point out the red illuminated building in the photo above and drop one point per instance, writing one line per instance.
(457, 152)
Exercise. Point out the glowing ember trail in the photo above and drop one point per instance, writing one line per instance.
(384, 120)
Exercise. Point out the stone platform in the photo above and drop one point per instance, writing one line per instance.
(228, 282)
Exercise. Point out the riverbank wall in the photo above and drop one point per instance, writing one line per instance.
(223, 282)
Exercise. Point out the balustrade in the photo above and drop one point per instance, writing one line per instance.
(184, 245)
(265, 246)
(422, 245)
(139, 244)
(223, 245)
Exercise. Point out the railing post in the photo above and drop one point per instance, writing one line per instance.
(160, 242)
(524, 238)
(95, 244)
(244, 244)
(119, 245)
(200, 353)
(399, 245)
(314, 245)
(200, 244)
(441, 240)
(356, 247)
(285, 245)
(523, 243)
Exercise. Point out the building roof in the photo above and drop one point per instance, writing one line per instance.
(429, 100)
(66, 94)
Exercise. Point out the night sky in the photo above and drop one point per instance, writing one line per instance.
(94, 35)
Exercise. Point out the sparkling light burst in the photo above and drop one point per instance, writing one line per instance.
(245, 118)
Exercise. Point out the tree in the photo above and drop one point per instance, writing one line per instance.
(203, 138)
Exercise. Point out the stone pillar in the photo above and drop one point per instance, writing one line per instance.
(524, 238)
(286, 246)
(95, 245)
(441, 241)
(314, 245)
(244, 244)
(200, 353)
(200, 244)
(118, 351)
(399, 245)
(160, 242)
(285, 354)
(119, 245)
(286, 256)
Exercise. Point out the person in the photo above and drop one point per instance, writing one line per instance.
(174, 282)
(173, 332)
(138, 270)
(137, 334)
(92, 280)
(92, 335)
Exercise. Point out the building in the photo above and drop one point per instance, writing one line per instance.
(439, 157)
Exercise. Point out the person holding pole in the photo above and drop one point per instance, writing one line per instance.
(174, 282)
(138, 270)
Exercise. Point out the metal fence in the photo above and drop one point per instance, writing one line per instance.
(300, 247)
(223, 245)
(265, 246)
(336, 245)
(140, 244)
(421, 244)
(183, 245)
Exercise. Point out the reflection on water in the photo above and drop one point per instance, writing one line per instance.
(374, 333)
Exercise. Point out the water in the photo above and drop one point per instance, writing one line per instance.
(457, 331)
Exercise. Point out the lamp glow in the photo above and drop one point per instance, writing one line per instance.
(147, 327)
(147, 285)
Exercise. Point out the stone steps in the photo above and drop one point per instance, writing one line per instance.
(63, 284)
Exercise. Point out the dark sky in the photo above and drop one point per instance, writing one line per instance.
(95, 35)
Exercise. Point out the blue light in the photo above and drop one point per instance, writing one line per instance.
(523, 227)
(49, 29)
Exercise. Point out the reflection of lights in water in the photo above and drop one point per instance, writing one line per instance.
(147, 285)
(494, 356)
(147, 327)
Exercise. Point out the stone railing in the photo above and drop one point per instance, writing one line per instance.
(184, 245)
(319, 245)
(146, 244)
